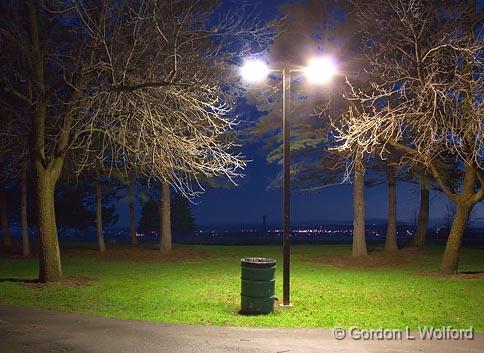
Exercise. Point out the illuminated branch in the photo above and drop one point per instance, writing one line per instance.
(177, 125)
(127, 88)
(428, 102)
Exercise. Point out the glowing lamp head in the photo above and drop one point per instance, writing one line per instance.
(254, 71)
(321, 70)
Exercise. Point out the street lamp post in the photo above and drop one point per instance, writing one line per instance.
(286, 145)
(319, 71)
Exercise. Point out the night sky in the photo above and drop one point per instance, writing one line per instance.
(246, 204)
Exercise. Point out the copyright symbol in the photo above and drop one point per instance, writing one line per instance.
(339, 333)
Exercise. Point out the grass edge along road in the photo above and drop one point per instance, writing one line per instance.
(201, 285)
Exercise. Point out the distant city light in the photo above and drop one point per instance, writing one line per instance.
(254, 71)
(321, 70)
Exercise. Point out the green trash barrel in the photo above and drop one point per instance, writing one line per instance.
(257, 285)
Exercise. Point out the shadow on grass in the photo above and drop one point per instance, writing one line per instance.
(64, 282)
(471, 272)
(19, 280)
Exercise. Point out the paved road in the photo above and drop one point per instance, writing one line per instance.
(42, 331)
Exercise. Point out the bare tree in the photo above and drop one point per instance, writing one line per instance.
(418, 239)
(132, 211)
(42, 65)
(24, 213)
(6, 146)
(391, 236)
(14, 161)
(99, 210)
(359, 209)
(6, 237)
(425, 98)
(164, 90)
(165, 219)
(148, 79)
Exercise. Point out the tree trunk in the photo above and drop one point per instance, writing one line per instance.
(391, 237)
(132, 215)
(464, 204)
(452, 248)
(423, 214)
(165, 230)
(359, 238)
(7, 239)
(99, 214)
(23, 215)
(49, 254)
(46, 171)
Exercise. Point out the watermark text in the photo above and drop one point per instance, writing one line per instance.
(444, 333)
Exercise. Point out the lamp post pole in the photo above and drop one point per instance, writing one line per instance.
(286, 241)
(318, 71)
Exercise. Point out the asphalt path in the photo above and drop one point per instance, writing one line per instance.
(42, 331)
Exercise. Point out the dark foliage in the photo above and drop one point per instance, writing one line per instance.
(182, 220)
(76, 205)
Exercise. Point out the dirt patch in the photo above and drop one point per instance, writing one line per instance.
(375, 259)
(76, 281)
(462, 275)
(14, 252)
(413, 251)
(32, 284)
(66, 282)
(370, 261)
(141, 254)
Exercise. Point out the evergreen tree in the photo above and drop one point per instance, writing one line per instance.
(182, 220)
(150, 218)
(76, 205)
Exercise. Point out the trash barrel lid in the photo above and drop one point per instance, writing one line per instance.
(258, 262)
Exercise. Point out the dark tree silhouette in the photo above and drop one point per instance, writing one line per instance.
(76, 205)
(182, 220)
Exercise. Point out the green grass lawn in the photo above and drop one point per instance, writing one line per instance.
(201, 285)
